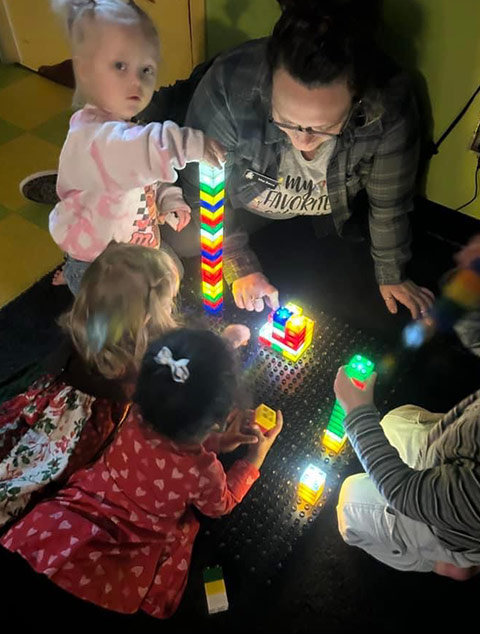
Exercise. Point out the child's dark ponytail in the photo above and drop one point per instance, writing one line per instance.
(187, 383)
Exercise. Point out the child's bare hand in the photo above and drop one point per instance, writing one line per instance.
(237, 334)
(257, 453)
(214, 153)
(351, 396)
(470, 252)
(237, 431)
(178, 219)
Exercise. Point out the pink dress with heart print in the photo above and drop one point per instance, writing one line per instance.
(121, 533)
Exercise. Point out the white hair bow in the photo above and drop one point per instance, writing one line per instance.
(178, 367)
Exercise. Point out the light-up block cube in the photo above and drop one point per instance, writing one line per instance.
(265, 418)
(312, 484)
(359, 369)
(212, 199)
(215, 590)
(287, 331)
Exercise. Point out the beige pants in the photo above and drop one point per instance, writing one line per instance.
(365, 520)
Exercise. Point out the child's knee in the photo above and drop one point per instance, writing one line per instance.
(360, 507)
(349, 498)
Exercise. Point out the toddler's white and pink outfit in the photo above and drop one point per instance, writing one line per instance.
(112, 181)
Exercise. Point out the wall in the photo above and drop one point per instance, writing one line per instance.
(230, 22)
(440, 39)
(40, 39)
(436, 39)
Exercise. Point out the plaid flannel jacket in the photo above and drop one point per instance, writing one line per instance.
(232, 104)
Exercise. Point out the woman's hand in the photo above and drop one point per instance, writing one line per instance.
(253, 291)
(214, 153)
(257, 453)
(417, 299)
(349, 395)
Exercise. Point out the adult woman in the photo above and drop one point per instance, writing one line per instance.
(311, 117)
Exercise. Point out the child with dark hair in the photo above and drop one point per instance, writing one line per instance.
(121, 533)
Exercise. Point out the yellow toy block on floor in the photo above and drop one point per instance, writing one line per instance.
(265, 418)
(312, 484)
(215, 590)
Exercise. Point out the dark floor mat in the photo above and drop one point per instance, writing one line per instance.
(321, 584)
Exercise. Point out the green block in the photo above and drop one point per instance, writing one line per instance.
(212, 230)
(359, 368)
(212, 191)
(335, 423)
(212, 574)
(213, 299)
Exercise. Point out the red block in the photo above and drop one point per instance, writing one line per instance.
(213, 305)
(210, 222)
(212, 279)
(211, 263)
(265, 342)
(208, 249)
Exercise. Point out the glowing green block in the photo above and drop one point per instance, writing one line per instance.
(359, 369)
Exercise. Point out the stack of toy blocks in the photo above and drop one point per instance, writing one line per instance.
(312, 484)
(359, 369)
(287, 331)
(212, 200)
(215, 590)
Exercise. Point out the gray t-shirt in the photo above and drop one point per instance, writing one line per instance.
(302, 186)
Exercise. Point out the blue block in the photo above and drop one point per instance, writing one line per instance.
(209, 256)
(205, 205)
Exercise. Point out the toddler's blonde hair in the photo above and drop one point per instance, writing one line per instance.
(81, 17)
(125, 300)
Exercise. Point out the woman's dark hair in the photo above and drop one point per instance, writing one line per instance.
(320, 41)
(187, 411)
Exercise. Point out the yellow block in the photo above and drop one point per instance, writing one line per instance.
(211, 269)
(211, 244)
(266, 417)
(296, 324)
(213, 216)
(212, 200)
(312, 484)
(208, 289)
(296, 310)
(215, 587)
(333, 443)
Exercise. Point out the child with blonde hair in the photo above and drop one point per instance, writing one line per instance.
(63, 420)
(121, 533)
(110, 169)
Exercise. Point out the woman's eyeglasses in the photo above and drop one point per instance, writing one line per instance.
(316, 131)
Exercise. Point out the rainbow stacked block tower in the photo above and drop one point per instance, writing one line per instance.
(265, 417)
(312, 484)
(287, 331)
(212, 199)
(215, 590)
(359, 369)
